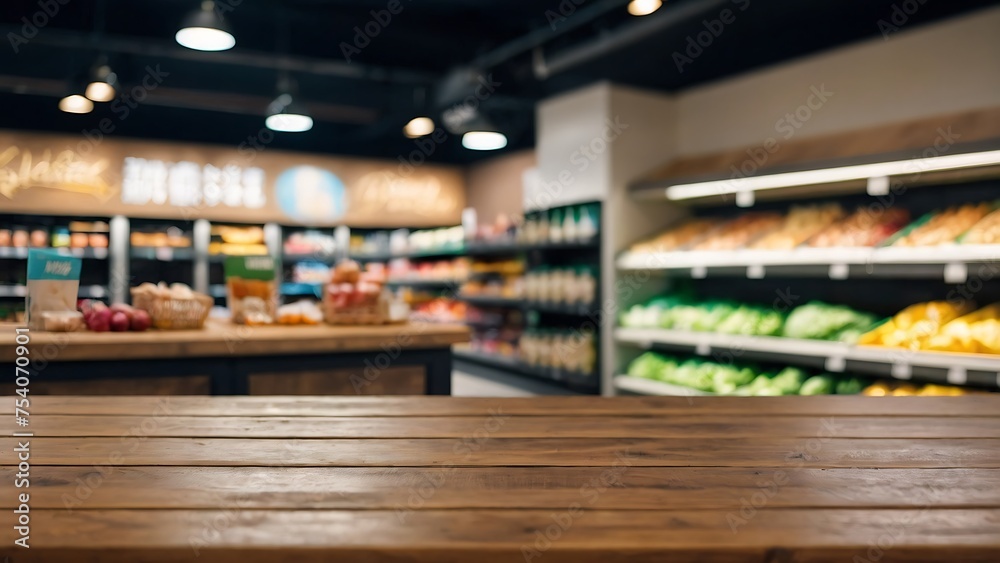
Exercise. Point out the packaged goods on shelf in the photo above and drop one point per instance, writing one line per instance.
(172, 237)
(801, 223)
(569, 350)
(576, 285)
(403, 269)
(303, 312)
(237, 241)
(986, 231)
(740, 380)
(741, 231)
(941, 326)
(252, 289)
(863, 228)
(311, 273)
(942, 227)
(370, 244)
(433, 240)
(439, 310)
(499, 267)
(569, 224)
(511, 287)
(356, 298)
(310, 242)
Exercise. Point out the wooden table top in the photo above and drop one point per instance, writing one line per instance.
(226, 339)
(553, 479)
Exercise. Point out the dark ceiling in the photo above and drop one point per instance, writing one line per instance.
(414, 65)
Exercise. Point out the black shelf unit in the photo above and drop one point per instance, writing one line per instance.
(581, 382)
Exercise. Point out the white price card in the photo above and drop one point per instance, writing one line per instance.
(745, 199)
(165, 253)
(699, 272)
(835, 364)
(957, 375)
(901, 371)
(703, 348)
(77, 252)
(879, 185)
(956, 272)
(100, 253)
(839, 271)
(755, 271)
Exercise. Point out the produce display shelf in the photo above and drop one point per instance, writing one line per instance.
(643, 386)
(943, 367)
(573, 379)
(578, 310)
(503, 248)
(164, 254)
(955, 262)
(88, 253)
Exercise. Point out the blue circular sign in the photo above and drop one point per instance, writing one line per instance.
(311, 195)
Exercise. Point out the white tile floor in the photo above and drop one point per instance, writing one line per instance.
(468, 385)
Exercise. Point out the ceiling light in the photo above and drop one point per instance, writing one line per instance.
(418, 127)
(832, 175)
(643, 7)
(484, 140)
(287, 116)
(204, 30)
(103, 84)
(75, 103)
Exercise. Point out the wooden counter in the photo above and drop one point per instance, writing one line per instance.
(229, 359)
(559, 479)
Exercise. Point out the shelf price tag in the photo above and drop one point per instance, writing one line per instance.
(745, 199)
(839, 271)
(699, 272)
(835, 364)
(702, 348)
(755, 271)
(76, 252)
(100, 253)
(879, 185)
(957, 376)
(901, 371)
(956, 272)
(165, 254)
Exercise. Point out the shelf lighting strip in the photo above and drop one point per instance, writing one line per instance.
(832, 175)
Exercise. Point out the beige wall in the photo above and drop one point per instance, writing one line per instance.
(944, 68)
(495, 186)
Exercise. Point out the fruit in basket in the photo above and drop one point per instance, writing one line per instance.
(119, 321)
(348, 271)
(140, 321)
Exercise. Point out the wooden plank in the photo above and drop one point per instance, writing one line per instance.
(578, 535)
(224, 339)
(393, 380)
(44, 425)
(972, 405)
(118, 386)
(633, 488)
(479, 449)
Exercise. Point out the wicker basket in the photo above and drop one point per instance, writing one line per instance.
(371, 315)
(169, 313)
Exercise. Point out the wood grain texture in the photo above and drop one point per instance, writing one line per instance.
(631, 488)
(393, 380)
(224, 339)
(251, 536)
(972, 405)
(707, 426)
(479, 449)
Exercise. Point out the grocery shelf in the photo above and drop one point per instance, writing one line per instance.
(503, 248)
(643, 386)
(297, 289)
(164, 254)
(13, 290)
(944, 367)
(513, 365)
(88, 253)
(578, 310)
(414, 254)
(309, 257)
(428, 283)
(953, 262)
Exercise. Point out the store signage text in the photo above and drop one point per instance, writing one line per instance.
(64, 171)
(388, 192)
(187, 184)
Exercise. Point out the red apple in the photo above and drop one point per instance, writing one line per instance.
(123, 308)
(119, 321)
(141, 320)
(99, 320)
